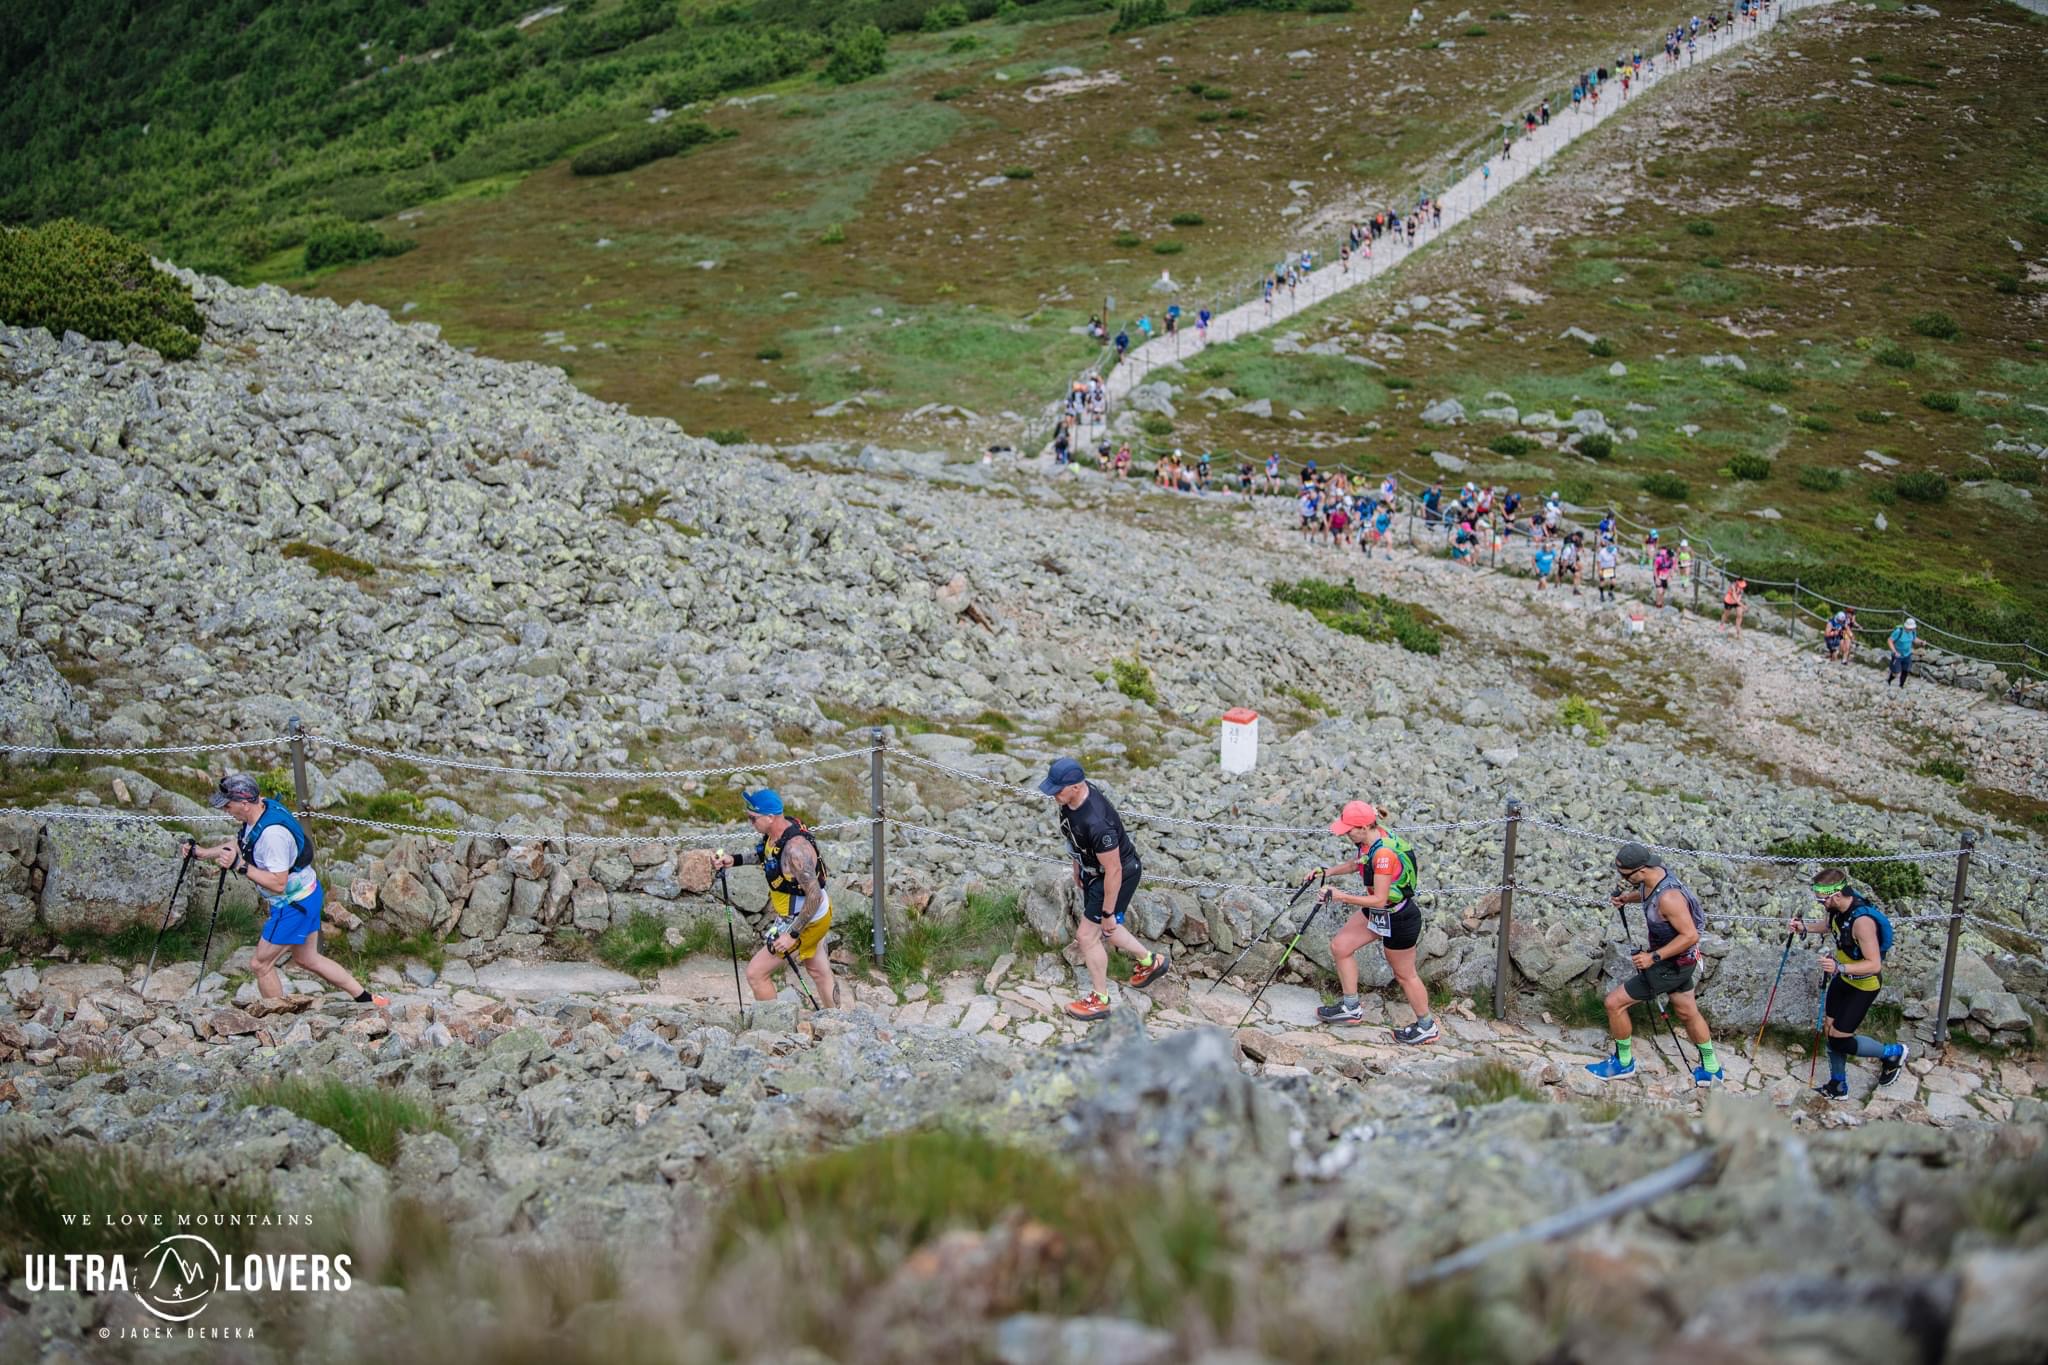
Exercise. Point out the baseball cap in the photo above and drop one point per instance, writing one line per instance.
(1064, 772)
(766, 801)
(1356, 815)
(234, 787)
(1632, 856)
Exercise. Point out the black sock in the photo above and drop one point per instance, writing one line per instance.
(364, 998)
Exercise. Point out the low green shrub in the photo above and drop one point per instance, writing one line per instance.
(1511, 444)
(1187, 219)
(1397, 382)
(1127, 239)
(1814, 422)
(1765, 379)
(1601, 347)
(1018, 172)
(68, 277)
(1667, 486)
(768, 353)
(1947, 769)
(1490, 1081)
(347, 243)
(1156, 424)
(1891, 881)
(727, 436)
(1700, 227)
(1937, 325)
(1941, 401)
(1821, 479)
(1136, 14)
(1575, 710)
(1922, 485)
(640, 145)
(1751, 466)
(1873, 416)
(862, 53)
(1374, 616)
(1133, 679)
(328, 563)
(939, 18)
(1597, 445)
(1168, 248)
(1892, 354)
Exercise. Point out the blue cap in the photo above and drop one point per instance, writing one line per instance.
(764, 802)
(1064, 772)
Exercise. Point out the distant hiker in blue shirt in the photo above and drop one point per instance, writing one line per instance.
(1902, 651)
(1123, 342)
(1546, 560)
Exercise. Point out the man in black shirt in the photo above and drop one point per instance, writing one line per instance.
(1107, 870)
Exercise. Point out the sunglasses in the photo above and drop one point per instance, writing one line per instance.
(1821, 893)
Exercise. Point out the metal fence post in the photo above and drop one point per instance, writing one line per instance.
(1955, 931)
(877, 813)
(1792, 619)
(298, 764)
(1698, 567)
(1501, 966)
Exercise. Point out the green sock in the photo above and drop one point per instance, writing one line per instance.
(1707, 1057)
(1624, 1050)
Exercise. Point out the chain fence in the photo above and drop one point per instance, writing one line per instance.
(2012, 883)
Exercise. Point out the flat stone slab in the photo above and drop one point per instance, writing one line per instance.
(541, 979)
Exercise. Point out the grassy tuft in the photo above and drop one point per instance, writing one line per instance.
(1941, 401)
(1922, 485)
(1820, 479)
(368, 1118)
(1937, 325)
(1144, 1254)
(45, 1187)
(329, 563)
(986, 927)
(1667, 486)
(1490, 1082)
(640, 946)
(1577, 1007)
(1750, 466)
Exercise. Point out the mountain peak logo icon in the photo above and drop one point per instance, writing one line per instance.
(179, 1277)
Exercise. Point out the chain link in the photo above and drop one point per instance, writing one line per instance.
(696, 836)
(1939, 855)
(129, 751)
(109, 816)
(1191, 822)
(595, 775)
(1979, 855)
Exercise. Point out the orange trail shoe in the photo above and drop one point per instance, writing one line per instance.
(1090, 1008)
(1149, 972)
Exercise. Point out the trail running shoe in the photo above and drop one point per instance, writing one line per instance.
(1612, 1068)
(1089, 1008)
(1888, 1071)
(1147, 973)
(1339, 1013)
(1832, 1089)
(1417, 1033)
(1702, 1076)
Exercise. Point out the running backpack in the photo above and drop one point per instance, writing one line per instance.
(1884, 924)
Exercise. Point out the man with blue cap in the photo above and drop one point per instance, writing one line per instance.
(795, 871)
(1107, 870)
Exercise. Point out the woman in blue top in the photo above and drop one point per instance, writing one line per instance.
(1902, 651)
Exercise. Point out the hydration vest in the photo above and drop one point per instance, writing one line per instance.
(1403, 889)
(1846, 948)
(275, 816)
(783, 891)
(1661, 931)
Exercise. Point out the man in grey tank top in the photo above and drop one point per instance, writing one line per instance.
(1675, 921)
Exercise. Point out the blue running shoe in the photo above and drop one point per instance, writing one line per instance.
(1702, 1076)
(1612, 1069)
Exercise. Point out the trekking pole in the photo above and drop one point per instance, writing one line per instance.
(1820, 1024)
(169, 906)
(212, 920)
(1306, 883)
(732, 942)
(1314, 910)
(802, 988)
(1766, 1021)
